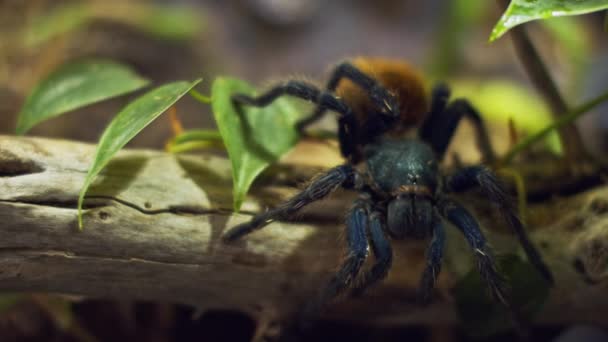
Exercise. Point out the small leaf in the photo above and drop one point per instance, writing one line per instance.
(77, 85)
(130, 121)
(254, 137)
(521, 11)
(481, 316)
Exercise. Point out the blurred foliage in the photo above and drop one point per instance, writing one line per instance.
(166, 22)
(460, 18)
(574, 42)
(521, 11)
(502, 100)
(254, 137)
(131, 120)
(76, 85)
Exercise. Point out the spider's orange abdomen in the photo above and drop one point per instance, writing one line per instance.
(396, 76)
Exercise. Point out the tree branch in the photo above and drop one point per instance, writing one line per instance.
(153, 222)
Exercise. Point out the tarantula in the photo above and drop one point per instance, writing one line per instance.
(402, 192)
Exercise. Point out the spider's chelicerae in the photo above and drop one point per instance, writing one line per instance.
(402, 193)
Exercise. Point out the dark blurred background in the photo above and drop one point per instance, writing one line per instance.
(263, 41)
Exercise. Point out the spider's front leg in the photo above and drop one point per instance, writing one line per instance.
(469, 227)
(326, 183)
(382, 251)
(434, 256)
(482, 177)
(345, 70)
(348, 127)
(357, 225)
(486, 265)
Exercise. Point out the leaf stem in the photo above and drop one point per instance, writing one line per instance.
(195, 139)
(563, 120)
(200, 97)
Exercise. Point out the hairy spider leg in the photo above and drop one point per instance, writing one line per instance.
(381, 250)
(347, 123)
(379, 96)
(440, 95)
(482, 177)
(440, 125)
(434, 256)
(469, 227)
(326, 183)
(357, 223)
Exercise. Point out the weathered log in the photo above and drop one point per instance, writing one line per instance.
(153, 223)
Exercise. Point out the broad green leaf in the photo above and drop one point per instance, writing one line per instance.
(521, 11)
(130, 121)
(254, 137)
(481, 316)
(501, 100)
(76, 85)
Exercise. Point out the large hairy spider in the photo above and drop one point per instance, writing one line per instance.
(402, 193)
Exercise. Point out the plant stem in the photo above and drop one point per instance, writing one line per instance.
(540, 77)
(195, 139)
(200, 97)
(563, 120)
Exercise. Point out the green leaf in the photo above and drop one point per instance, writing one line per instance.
(254, 137)
(481, 316)
(130, 121)
(76, 85)
(521, 11)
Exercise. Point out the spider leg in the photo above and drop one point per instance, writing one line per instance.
(381, 98)
(441, 123)
(299, 89)
(469, 227)
(382, 251)
(357, 223)
(347, 123)
(434, 256)
(326, 183)
(482, 177)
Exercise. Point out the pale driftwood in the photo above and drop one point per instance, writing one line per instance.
(153, 224)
